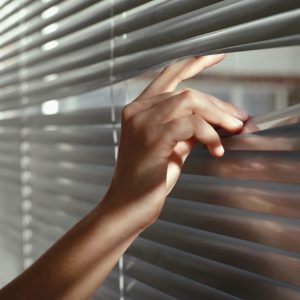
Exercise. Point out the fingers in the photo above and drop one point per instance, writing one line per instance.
(187, 103)
(185, 128)
(233, 110)
(173, 74)
(250, 127)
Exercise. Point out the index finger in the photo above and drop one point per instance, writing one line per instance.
(173, 74)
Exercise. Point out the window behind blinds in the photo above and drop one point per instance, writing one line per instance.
(228, 229)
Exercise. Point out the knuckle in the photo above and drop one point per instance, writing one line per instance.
(188, 96)
(126, 112)
(135, 122)
(187, 93)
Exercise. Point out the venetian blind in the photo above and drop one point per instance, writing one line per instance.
(59, 65)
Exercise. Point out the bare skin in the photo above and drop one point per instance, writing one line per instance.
(159, 129)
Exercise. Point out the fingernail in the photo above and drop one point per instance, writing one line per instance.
(237, 122)
(220, 150)
(243, 113)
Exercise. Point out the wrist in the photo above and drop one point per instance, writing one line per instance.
(120, 213)
(135, 215)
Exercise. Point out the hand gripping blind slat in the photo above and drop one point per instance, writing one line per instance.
(242, 224)
(230, 227)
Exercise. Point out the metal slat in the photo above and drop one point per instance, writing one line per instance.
(284, 20)
(8, 134)
(84, 135)
(9, 175)
(3, 3)
(93, 174)
(45, 233)
(13, 225)
(56, 217)
(106, 293)
(57, 186)
(13, 151)
(11, 191)
(274, 231)
(143, 15)
(28, 11)
(265, 197)
(221, 277)
(274, 166)
(12, 6)
(169, 282)
(136, 290)
(34, 37)
(209, 43)
(124, 66)
(83, 117)
(281, 138)
(71, 205)
(35, 22)
(224, 14)
(11, 119)
(71, 24)
(102, 155)
(140, 40)
(110, 287)
(249, 256)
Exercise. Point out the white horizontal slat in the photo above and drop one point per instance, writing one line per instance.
(85, 135)
(257, 227)
(273, 166)
(135, 18)
(239, 253)
(10, 7)
(106, 293)
(253, 195)
(93, 174)
(102, 155)
(101, 10)
(125, 62)
(35, 22)
(110, 287)
(57, 186)
(212, 242)
(169, 282)
(215, 275)
(70, 205)
(136, 290)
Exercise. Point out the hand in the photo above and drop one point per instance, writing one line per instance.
(159, 129)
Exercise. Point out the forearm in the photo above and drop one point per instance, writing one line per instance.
(79, 262)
